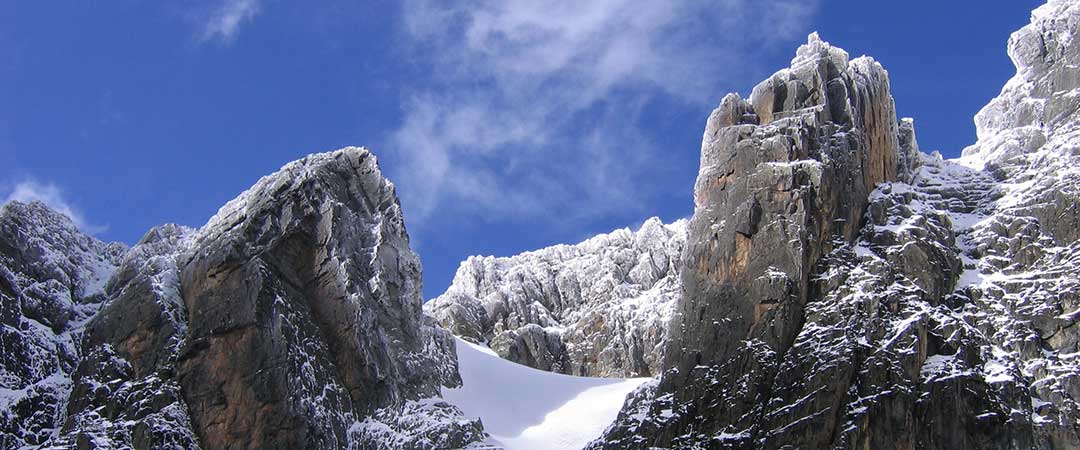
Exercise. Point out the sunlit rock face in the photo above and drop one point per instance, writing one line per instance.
(844, 290)
(598, 308)
(292, 319)
(1021, 252)
(785, 178)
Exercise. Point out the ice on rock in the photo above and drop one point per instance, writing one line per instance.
(597, 308)
(52, 282)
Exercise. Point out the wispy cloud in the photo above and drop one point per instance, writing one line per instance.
(53, 197)
(222, 20)
(533, 107)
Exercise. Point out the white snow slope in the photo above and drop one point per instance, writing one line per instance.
(527, 409)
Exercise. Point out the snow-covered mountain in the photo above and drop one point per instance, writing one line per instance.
(292, 319)
(52, 281)
(835, 288)
(843, 290)
(597, 308)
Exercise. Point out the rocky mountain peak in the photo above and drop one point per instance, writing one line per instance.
(816, 50)
(292, 319)
(45, 244)
(1040, 100)
(834, 288)
(307, 284)
(778, 188)
(839, 286)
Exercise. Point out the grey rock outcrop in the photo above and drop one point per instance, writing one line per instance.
(842, 290)
(597, 308)
(1022, 252)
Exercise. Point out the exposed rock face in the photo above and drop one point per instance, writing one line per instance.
(125, 391)
(52, 280)
(1022, 255)
(303, 300)
(843, 290)
(784, 178)
(291, 320)
(598, 308)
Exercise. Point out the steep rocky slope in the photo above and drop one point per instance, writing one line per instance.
(843, 290)
(52, 281)
(292, 319)
(598, 308)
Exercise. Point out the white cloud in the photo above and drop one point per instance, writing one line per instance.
(224, 19)
(532, 106)
(53, 197)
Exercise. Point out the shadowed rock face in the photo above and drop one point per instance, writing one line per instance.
(291, 320)
(597, 308)
(842, 290)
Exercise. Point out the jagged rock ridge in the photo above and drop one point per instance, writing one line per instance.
(291, 320)
(936, 311)
(598, 308)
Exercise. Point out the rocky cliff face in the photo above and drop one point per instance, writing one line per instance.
(1022, 252)
(125, 390)
(303, 299)
(291, 320)
(52, 281)
(843, 290)
(598, 308)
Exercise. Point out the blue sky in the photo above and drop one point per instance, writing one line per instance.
(506, 125)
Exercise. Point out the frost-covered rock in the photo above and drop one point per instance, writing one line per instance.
(52, 280)
(844, 291)
(597, 308)
(304, 311)
(292, 319)
(1022, 251)
(125, 392)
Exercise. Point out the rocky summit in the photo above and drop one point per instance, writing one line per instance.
(292, 319)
